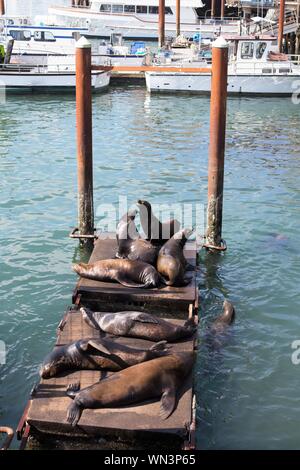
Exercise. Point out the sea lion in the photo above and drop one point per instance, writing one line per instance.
(217, 333)
(171, 262)
(221, 324)
(127, 272)
(97, 354)
(130, 244)
(159, 377)
(156, 231)
(138, 325)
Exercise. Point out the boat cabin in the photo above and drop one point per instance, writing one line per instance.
(253, 49)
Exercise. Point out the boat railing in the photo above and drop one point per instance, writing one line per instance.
(294, 58)
(218, 21)
(261, 68)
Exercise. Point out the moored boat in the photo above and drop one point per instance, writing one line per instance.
(46, 78)
(255, 68)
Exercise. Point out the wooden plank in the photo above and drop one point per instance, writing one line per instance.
(47, 412)
(176, 299)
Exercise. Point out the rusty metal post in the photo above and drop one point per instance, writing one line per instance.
(2, 7)
(84, 137)
(213, 8)
(222, 9)
(177, 18)
(161, 23)
(218, 103)
(281, 24)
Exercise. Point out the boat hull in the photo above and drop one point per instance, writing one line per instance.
(50, 81)
(272, 85)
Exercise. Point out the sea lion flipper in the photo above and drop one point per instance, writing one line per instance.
(144, 318)
(73, 389)
(160, 346)
(96, 345)
(73, 414)
(90, 317)
(122, 280)
(167, 403)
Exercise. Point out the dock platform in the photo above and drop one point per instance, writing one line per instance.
(49, 403)
(46, 411)
(174, 302)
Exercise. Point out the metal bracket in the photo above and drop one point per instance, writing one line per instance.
(9, 437)
(222, 247)
(75, 234)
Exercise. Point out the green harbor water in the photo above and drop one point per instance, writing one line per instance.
(157, 148)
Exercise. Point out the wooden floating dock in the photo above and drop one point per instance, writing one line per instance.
(137, 73)
(47, 413)
(47, 409)
(175, 302)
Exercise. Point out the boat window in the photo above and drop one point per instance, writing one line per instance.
(48, 36)
(106, 7)
(129, 8)
(260, 49)
(153, 10)
(247, 50)
(44, 36)
(141, 9)
(117, 8)
(20, 35)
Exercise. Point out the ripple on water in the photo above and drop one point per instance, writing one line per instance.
(156, 147)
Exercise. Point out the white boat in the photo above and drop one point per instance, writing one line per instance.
(46, 78)
(116, 53)
(34, 42)
(256, 68)
(138, 19)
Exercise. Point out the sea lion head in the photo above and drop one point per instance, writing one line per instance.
(184, 234)
(221, 324)
(142, 202)
(126, 227)
(131, 214)
(54, 363)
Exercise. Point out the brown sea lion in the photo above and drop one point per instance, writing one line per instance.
(127, 272)
(130, 244)
(138, 325)
(171, 262)
(97, 354)
(221, 324)
(161, 377)
(156, 231)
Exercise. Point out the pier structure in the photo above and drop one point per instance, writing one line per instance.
(44, 417)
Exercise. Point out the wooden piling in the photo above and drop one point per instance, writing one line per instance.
(2, 7)
(213, 8)
(177, 18)
(217, 141)
(222, 9)
(84, 137)
(281, 24)
(161, 23)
